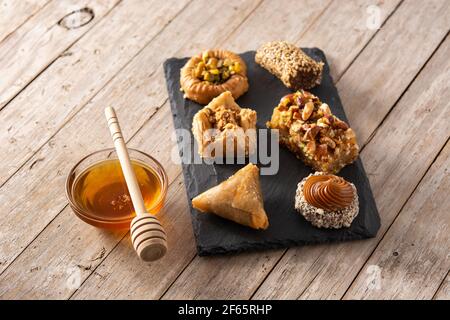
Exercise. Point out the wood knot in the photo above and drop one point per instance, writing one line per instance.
(76, 19)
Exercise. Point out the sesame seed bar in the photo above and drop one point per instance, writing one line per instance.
(290, 64)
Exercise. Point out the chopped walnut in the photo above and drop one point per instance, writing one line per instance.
(309, 129)
(226, 117)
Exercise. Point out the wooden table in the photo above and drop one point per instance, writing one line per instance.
(390, 61)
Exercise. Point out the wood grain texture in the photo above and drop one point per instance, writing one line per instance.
(136, 93)
(190, 283)
(123, 276)
(413, 258)
(443, 292)
(284, 20)
(54, 160)
(119, 93)
(416, 128)
(38, 112)
(337, 27)
(385, 68)
(342, 31)
(14, 13)
(39, 41)
(58, 253)
(42, 272)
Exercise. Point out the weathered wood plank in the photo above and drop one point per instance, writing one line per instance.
(413, 259)
(444, 291)
(121, 290)
(123, 276)
(47, 272)
(120, 94)
(21, 191)
(38, 112)
(385, 68)
(137, 93)
(14, 13)
(117, 274)
(39, 41)
(190, 283)
(283, 20)
(395, 160)
(340, 28)
(111, 280)
(358, 20)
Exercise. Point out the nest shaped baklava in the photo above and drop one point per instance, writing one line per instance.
(207, 75)
(222, 125)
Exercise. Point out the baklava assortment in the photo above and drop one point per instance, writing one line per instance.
(306, 125)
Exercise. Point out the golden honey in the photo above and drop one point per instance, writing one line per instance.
(101, 191)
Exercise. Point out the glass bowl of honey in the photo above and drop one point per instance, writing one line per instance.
(98, 194)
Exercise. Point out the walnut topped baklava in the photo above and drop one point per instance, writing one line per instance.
(224, 129)
(211, 73)
(309, 129)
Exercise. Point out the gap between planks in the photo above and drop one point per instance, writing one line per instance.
(6, 36)
(93, 96)
(49, 63)
(177, 277)
(406, 90)
(441, 286)
(404, 203)
(141, 128)
(194, 256)
(396, 217)
(70, 118)
(173, 181)
(373, 36)
(364, 144)
(413, 78)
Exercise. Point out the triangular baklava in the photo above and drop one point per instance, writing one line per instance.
(238, 198)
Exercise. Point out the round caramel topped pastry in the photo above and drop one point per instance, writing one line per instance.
(211, 73)
(328, 192)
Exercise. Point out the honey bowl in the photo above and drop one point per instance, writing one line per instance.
(98, 194)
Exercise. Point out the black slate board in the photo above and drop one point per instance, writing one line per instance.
(215, 235)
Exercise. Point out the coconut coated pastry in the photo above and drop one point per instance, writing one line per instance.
(327, 201)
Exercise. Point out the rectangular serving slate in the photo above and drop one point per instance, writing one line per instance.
(215, 235)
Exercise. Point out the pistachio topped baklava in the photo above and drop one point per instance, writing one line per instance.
(309, 129)
(211, 73)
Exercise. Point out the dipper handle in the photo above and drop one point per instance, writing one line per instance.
(147, 234)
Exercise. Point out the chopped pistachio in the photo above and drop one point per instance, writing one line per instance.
(216, 70)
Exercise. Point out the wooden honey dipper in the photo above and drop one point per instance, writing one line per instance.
(147, 234)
